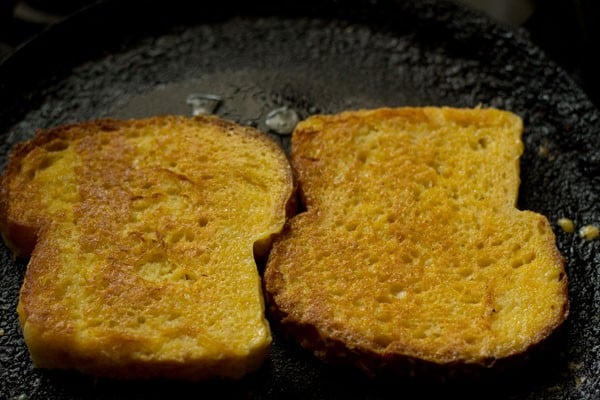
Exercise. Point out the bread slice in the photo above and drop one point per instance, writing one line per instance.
(411, 248)
(142, 235)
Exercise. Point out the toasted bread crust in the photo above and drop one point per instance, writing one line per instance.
(141, 255)
(411, 247)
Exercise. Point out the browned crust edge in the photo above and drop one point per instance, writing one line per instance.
(374, 364)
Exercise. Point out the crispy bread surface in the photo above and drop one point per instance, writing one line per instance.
(142, 236)
(411, 247)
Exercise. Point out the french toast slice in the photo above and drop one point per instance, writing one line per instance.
(411, 249)
(141, 236)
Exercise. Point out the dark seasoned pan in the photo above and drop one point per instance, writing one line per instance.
(135, 60)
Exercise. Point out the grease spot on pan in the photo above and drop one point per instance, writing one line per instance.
(282, 120)
(203, 103)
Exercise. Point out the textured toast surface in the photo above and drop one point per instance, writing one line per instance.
(411, 246)
(142, 234)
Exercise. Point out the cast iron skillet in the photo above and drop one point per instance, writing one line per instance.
(317, 56)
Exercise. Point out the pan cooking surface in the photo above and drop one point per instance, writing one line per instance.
(317, 59)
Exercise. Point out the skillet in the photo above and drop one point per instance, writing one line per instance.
(135, 59)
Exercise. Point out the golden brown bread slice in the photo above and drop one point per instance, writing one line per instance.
(411, 247)
(142, 234)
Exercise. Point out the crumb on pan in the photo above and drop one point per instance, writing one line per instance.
(589, 232)
(566, 225)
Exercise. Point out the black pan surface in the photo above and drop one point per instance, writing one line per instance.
(323, 56)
